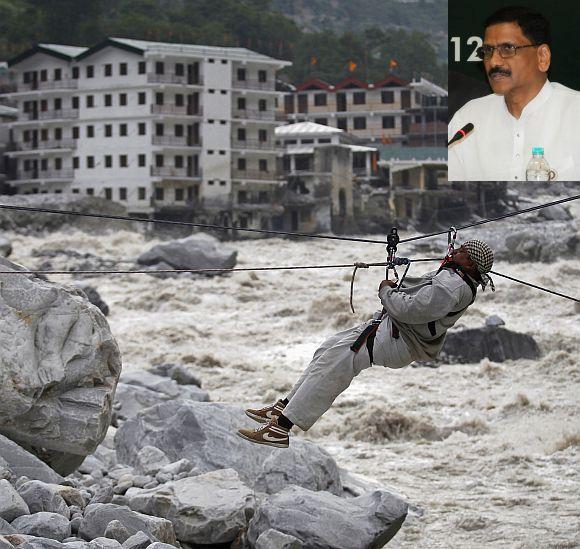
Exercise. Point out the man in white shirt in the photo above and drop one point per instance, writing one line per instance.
(525, 111)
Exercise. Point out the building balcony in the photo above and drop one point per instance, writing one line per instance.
(31, 175)
(60, 114)
(176, 110)
(428, 128)
(254, 85)
(42, 145)
(181, 173)
(256, 175)
(254, 144)
(255, 114)
(172, 78)
(48, 85)
(174, 141)
(217, 203)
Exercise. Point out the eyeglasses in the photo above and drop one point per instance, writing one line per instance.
(504, 50)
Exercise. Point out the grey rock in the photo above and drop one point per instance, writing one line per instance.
(104, 543)
(75, 524)
(323, 521)
(555, 213)
(177, 467)
(131, 399)
(150, 459)
(11, 503)
(141, 480)
(92, 295)
(168, 387)
(5, 246)
(494, 320)
(5, 544)
(44, 525)
(5, 528)
(98, 516)
(272, 539)
(496, 343)
(119, 499)
(90, 464)
(179, 373)
(116, 530)
(23, 463)
(207, 509)
(104, 494)
(198, 251)
(43, 497)
(205, 433)
(163, 477)
(61, 366)
(34, 542)
(76, 545)
(159, 545)
(140, 540)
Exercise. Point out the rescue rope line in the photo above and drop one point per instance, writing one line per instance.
(534, 286)
(280, 233)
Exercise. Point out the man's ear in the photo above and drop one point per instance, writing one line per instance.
(544, 57)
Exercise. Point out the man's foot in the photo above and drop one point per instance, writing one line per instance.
(271, 434)
(266, 414)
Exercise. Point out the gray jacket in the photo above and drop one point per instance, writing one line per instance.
(421, 307)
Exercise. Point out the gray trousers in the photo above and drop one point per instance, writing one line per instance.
(330, 372)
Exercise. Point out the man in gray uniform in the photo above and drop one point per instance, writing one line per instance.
(411, 326)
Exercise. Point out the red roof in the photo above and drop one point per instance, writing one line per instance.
(391, 80)
(314, 83)
(351, 82)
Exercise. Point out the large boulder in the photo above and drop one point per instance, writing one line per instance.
(12, 505)
(206, 434)
(323, 521)
(493, 342)
(198, 251)
(59, 366)
(92, 295)
(206, 509)
(23, 463)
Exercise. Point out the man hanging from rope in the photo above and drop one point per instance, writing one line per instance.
(411, 326)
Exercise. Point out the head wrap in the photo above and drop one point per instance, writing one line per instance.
(482, 255)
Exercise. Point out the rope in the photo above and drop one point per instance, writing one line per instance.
(536, 287)
(483, 221)
(284, 233)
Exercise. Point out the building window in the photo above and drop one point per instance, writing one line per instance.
(108, 161)
(360, 123)
(76, 163)
(75, 191)
(108, 100)
(159, 67)
(241, 103)
(159, 160)
(223, 183)
(262, 76)
(123, 130)
(43, 164)
(123, 69)
(387, 96)
(324, 140)
(159, 98)
(388, 122)
(43, 75)
(241, 73)
(342, 124)
(90, 71)
(359, 98)
(320, 99)
(90, 191)
(122, 193)
(323, 121)
(75, 102)
(108, 193)
(242, 197)
(75, 132)
(263, 164)
(108, 130)
(142, 67)
(75, 73)
(90, 161)
(159, 129)
(159, 193)
(178, 195)
(241, 164)
(262, 136)
(179, 100)
(123, 161)
(211, 60)
(58, 164)
(178, 131)
(142, 128)
(142, 193)
(57, 134)
(179, 69)
(179, 161)
(241, 134)
(142, 160)
(58, 74)
(90, 131)
(108, 69)
(223, 92)
(90, 101)
(262, 105)
(122, 99)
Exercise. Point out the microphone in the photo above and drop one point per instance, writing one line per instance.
(461, 133)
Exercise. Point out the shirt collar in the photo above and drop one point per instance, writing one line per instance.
(536, 103)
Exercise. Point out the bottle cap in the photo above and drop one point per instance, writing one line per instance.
(538, 150)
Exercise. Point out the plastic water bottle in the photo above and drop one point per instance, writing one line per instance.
(538, 169)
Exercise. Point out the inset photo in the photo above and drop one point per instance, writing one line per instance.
(514, 104)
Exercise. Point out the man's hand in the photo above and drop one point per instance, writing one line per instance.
(387, 283)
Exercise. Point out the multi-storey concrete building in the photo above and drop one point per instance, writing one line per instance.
(391, 110)
(166, 129)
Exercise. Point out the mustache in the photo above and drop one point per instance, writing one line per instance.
(499, 70)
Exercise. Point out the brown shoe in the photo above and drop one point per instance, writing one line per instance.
(265, 415)
(271, 434)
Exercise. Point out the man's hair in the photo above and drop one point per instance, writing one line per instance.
(534, 25)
